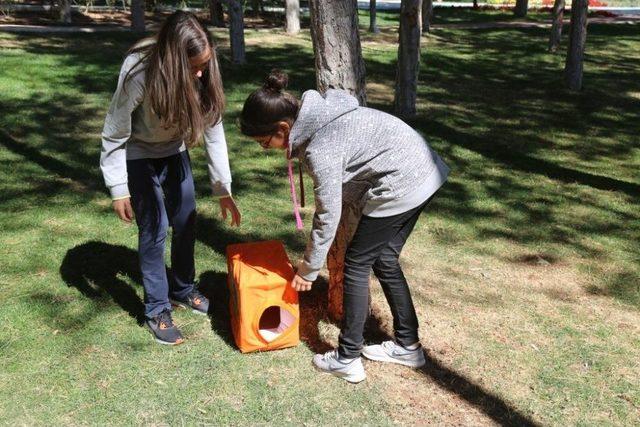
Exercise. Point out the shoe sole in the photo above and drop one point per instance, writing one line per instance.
(389, 359)
(159, 341)
(183, 305)
(351, 378)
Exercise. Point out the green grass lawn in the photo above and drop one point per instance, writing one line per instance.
(525, 270)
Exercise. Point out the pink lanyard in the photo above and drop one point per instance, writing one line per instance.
(294, 198)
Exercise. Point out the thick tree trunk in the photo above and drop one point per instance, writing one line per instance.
(216, 14)
(236, 31)
(137, 16)
(65, 11)
(408, 59)
(339, 64)
(427, 15)
(293, 16)
(577, 41)
(556, 27)
(335, 260)
(521, 8)
(373, 25)
(336, 43)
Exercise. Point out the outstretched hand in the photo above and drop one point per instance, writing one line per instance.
(227, 204)
(300, 284)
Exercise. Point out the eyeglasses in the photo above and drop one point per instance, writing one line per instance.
(267, 144)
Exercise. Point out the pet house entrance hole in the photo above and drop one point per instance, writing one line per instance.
(274, 321)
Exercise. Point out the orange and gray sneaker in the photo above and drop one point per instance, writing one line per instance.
(163, 329)
(195, 301)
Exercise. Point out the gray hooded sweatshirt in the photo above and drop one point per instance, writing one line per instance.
(358, 155)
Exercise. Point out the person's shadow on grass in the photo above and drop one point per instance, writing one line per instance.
(96, 269)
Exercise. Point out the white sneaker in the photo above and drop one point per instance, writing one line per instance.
(348, 369)
(391, 352)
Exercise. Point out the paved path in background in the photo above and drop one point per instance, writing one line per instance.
(619, 20)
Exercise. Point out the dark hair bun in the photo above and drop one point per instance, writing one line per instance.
(276, 81)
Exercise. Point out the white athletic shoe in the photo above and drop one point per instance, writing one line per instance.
(350, 370)
(391, 352)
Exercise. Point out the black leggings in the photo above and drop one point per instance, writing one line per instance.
(376, 244)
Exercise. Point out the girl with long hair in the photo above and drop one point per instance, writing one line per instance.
(169, 97)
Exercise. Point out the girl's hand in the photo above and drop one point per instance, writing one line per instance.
(300, 284)
(123, 209)
(228, 204)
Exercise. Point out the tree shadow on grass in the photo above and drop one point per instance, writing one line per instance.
(95, 269)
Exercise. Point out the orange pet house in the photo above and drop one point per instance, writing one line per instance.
(264, 307)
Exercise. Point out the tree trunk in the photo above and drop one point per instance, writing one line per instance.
(373, 25)
(216, 14)
(577, 41)
(427, 15)
(255, 7)
(65, 11)
(339, 64)
(137, 16)
(408, 59)
(521, 8)
(236, 31)
(556, 27)
(336, 44)
(293, 16)
(335, 260)
(475, 4)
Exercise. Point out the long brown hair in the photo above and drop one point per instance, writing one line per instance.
(269, 105)
(179, 98)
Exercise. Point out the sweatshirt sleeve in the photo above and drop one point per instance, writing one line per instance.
(327, 189)
(117, 130)
(217, 160)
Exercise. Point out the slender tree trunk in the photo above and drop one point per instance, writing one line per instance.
(137, 16)
(65, 11)
(556, 27)
(293, 16)
(236, 31)
(521, 8)
(339, 64)
(216, 14)
(475, 4)
(427, 15)
(577, 40)
(408, 59)
(255, 6)
(373, 25)
(336, 44)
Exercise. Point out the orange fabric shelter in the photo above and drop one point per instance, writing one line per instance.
(264, 307)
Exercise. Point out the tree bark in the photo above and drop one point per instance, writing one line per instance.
(373, 25)
(521, 8)
(336, 44)
(427, 15)
(293, 16)
(137, 16)
(236, 31)
(65, 11)
(408, 59)
(339, 64)
(216, 14)
(335, 260)
(556, 27)
(577, 40)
